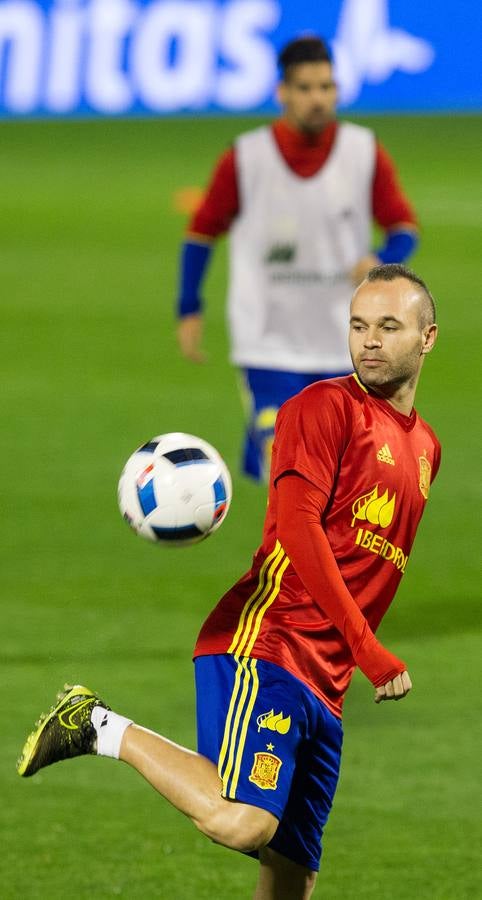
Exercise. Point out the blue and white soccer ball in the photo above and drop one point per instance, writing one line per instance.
(176, 489)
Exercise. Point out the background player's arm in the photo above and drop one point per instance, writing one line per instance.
(393, 212)
(211, 219)
(189, 337)
(299, 530)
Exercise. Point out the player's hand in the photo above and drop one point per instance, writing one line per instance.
(362, 268)
(189, 336)
(395, 689)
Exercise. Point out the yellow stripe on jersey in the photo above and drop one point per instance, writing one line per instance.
(359, 383)
(240, 708)
(275, 555)
(269, 600)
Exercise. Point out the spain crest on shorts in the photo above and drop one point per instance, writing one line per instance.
(265, 771)
(425, 474)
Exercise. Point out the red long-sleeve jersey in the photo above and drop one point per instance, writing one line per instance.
(305, 155)
(315, 614)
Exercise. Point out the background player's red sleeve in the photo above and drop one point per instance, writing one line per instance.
(220, 204)
(390, 205)
(299, 530)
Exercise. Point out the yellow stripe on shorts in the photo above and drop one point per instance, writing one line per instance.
(241, 705)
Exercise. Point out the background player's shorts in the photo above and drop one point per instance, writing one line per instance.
(264, 391)
(275, 744)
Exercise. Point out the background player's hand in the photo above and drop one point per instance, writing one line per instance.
(395, 689)
(362, 268)
(189, 336)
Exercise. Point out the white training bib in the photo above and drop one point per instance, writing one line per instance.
(292, 247)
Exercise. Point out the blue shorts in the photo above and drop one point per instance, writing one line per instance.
(275, 744)
(265, 390)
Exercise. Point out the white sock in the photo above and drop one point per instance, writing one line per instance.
(110, 729)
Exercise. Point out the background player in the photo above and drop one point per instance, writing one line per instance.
(298, 198)
(351, 472)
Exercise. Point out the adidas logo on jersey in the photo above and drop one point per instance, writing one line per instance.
(384, 455)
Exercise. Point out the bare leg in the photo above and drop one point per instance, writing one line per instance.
(191, 783)
(281, 879)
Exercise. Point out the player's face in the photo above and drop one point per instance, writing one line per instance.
(387, 338)
(309, 96)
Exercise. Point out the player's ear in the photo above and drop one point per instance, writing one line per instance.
(281, 93)
(429, 337)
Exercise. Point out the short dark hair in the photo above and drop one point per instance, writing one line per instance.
(307, 49)
(391, 271)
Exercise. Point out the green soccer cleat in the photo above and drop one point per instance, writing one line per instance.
(64, 732)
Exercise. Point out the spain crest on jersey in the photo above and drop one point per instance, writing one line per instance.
(425, 474)
(265, 771)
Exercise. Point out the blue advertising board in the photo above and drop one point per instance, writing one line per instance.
(160, 57)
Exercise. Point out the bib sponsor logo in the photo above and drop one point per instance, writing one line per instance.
(274, 722)
(265, 771)
(281, 253)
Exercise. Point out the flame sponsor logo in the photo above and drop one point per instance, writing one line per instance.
(425, 476)
(378, 509)
(265, 771)
(274, 722)
(370, 507)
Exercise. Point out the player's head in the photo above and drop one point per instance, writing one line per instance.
(307, 90)
(396, 270)
(392, 328)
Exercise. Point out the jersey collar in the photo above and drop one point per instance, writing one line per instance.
(407, 422)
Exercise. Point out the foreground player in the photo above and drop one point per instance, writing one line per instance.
(351, 471)
(298, 199)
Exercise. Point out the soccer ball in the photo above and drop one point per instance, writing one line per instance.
(176, 489)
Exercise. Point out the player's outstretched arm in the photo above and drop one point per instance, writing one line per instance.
(299, 530)
(396, 689)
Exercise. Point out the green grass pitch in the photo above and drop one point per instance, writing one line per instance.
(88, 249)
